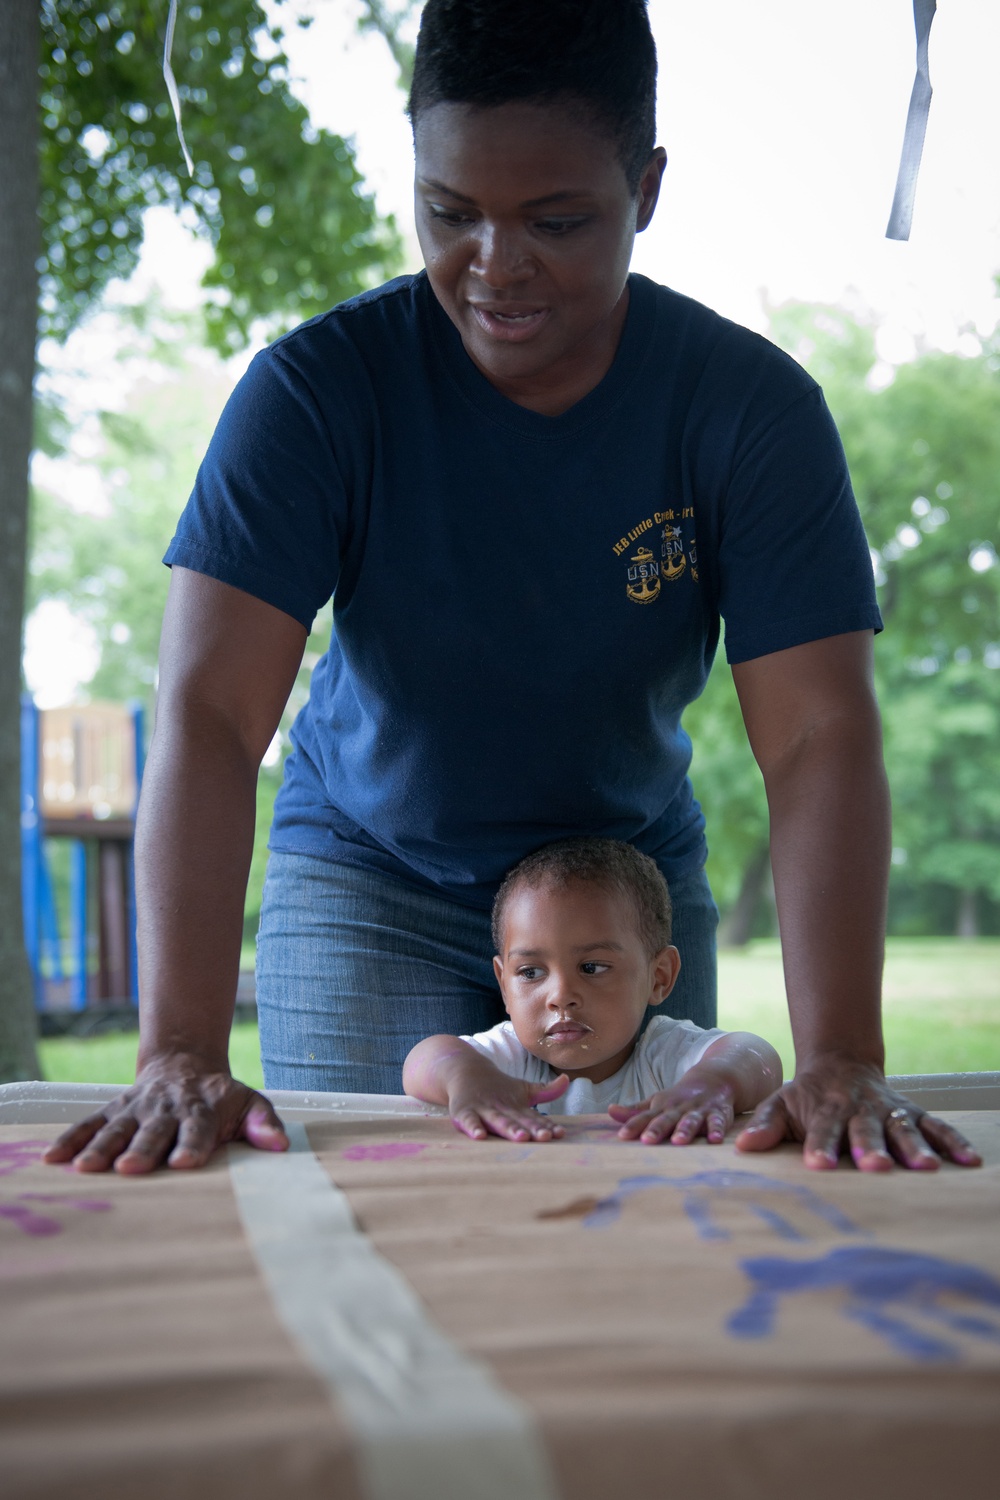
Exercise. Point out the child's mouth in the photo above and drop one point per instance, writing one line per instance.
(562, 1032)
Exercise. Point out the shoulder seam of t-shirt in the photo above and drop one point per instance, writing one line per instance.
(397, 287)
(743, 449)
(318, 412)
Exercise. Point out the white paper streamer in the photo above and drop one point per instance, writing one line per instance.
(901, 215)
(168, 76)
(431, 1422)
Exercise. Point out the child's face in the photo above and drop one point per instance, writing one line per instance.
(576, 978)
(526, 222)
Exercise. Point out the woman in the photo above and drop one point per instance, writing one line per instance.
(534, 483)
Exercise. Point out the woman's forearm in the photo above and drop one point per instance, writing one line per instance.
(830, 847)
(194, 840)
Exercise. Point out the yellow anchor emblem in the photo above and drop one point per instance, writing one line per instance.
(643, 578)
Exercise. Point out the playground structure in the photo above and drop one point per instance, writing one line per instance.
(81, 770)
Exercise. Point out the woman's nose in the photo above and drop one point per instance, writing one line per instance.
(501, 259)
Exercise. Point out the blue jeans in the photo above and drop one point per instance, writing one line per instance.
(354, 967)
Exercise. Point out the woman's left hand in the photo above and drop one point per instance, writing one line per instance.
(696, 1105)
(836, 1104)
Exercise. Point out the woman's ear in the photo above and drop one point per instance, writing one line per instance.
(666, 967)
(649, 189)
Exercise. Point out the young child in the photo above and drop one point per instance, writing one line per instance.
(582, 932)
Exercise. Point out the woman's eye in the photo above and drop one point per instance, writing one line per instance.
(559, 227)
(449, 217)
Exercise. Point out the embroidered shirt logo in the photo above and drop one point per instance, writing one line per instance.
(643, 577)
(678, 551)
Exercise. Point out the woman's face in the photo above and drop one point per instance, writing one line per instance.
(526, 224)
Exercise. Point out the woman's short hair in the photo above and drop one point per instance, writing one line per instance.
(608, 863)
(596, 56)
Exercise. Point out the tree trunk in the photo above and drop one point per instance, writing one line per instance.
(19, 247)
(967, 915)
(736, 928)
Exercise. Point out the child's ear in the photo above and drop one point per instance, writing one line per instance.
(498, 971)
(666, 967)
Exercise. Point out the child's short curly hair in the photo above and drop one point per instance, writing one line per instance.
(608, 863)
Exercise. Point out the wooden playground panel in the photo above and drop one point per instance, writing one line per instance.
(81, 772)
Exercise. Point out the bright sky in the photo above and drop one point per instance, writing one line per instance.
(783, 121)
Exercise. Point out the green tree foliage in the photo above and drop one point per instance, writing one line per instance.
(924, 451)
(280, 201)
(731, 792)
(106, 565)
(932, 495)
(396, 24)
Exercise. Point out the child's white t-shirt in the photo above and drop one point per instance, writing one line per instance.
(663, 1054)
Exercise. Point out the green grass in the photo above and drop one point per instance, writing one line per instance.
(111, 1058)
(942, 1014)
(941, 1002)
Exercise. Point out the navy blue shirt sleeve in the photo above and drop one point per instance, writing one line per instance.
(787, 550)
(269, 509)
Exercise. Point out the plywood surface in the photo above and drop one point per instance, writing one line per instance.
(670, 1322)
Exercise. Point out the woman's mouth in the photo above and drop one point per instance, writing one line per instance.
(510, 325)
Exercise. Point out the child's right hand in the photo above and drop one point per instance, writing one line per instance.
(504, 1106)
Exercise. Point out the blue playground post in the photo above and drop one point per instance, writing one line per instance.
(78, 922)
(31, 837)
(139, 727)
(118, 974)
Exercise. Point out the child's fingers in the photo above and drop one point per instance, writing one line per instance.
(714, 1120)
(516, 1125)
(638, 1126)
(624, 1112)
(469, 1122)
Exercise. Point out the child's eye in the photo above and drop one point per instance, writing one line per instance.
(593, 967)
(529, 971)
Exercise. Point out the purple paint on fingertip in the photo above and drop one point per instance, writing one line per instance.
(385, 1151)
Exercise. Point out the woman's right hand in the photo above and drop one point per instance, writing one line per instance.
(177, 1112)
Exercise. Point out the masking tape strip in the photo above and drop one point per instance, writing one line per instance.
(431, 1422)
(901, 214)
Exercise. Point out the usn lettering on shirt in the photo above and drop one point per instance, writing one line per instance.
(678, 554)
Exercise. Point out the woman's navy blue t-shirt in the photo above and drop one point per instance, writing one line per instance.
(523, 605)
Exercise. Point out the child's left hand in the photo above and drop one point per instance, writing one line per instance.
(698, 1104)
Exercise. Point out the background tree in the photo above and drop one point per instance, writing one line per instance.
(924, 450)
(19, 44)
(931, 490)
(280, 202)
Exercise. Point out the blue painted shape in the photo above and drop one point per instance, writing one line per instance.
(702, 1189)
(884, 1290)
